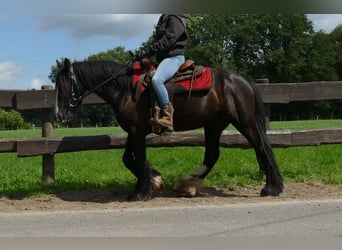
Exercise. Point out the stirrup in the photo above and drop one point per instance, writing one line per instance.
(159, 129)
(165, 128)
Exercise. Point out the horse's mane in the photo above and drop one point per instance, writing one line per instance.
(97, 71)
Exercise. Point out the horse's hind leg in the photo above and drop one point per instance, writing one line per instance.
(191, 185)
(265, 157)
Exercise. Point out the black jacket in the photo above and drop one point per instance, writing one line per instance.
(170, 37)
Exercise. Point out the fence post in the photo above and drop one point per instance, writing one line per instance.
(48, 160)
(266, 105)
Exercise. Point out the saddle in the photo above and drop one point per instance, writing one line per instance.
(187, 71)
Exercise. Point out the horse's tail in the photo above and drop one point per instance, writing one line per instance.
(261, 126)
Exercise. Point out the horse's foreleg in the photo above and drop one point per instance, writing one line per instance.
(134, 159)
(191, 185)
(129, 161)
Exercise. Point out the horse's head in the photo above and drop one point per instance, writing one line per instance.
(69, 91)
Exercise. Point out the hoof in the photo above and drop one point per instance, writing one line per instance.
(269, 190)
(141, 194)
(189, 186)
(138, 196)
(157, 183)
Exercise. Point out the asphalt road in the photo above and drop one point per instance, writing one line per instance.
(280, 219)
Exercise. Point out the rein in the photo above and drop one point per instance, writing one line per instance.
(76, 100)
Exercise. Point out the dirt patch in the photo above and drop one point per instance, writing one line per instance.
(100, 199)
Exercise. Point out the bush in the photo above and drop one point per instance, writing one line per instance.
(10, 119)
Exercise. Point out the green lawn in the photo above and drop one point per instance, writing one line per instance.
(103, 169)
(59, 132)
(310, 124)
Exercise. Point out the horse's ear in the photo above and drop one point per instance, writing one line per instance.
(67, 64)
(59, 64)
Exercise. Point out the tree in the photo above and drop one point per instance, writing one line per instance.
(321, 59)
(118, 54)
(336, 42)
(32, 116)
(209, 39)
(259, 45)
(284, 46)
(336, 46)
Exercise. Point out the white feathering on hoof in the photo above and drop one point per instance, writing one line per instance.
(157, 183)
(189, 186)
(202, 170)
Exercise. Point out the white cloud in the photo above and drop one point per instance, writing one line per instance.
(325, 22)
(9, 73)
(81, 26)
(37, 83)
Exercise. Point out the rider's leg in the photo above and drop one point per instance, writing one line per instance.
(166, 69)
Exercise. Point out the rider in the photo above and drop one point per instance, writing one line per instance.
(168, 45)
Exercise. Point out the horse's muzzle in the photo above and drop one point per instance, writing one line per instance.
(61, 117)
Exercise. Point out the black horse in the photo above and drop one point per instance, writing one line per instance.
(232, 99)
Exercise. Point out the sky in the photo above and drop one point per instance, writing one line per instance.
(31, 44)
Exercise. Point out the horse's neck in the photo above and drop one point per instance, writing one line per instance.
(111, 88)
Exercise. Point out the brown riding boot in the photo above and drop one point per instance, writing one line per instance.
(166, 120)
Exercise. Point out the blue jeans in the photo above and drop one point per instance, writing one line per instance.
(166, 69)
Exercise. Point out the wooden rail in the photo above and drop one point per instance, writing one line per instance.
(229, 139)
(48, 145)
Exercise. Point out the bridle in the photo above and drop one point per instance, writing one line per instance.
(76, 98)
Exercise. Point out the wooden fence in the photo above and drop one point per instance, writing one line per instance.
(48, 145)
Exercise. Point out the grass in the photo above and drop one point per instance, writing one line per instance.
(309, 124)
(103, 169)
(30, 133)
